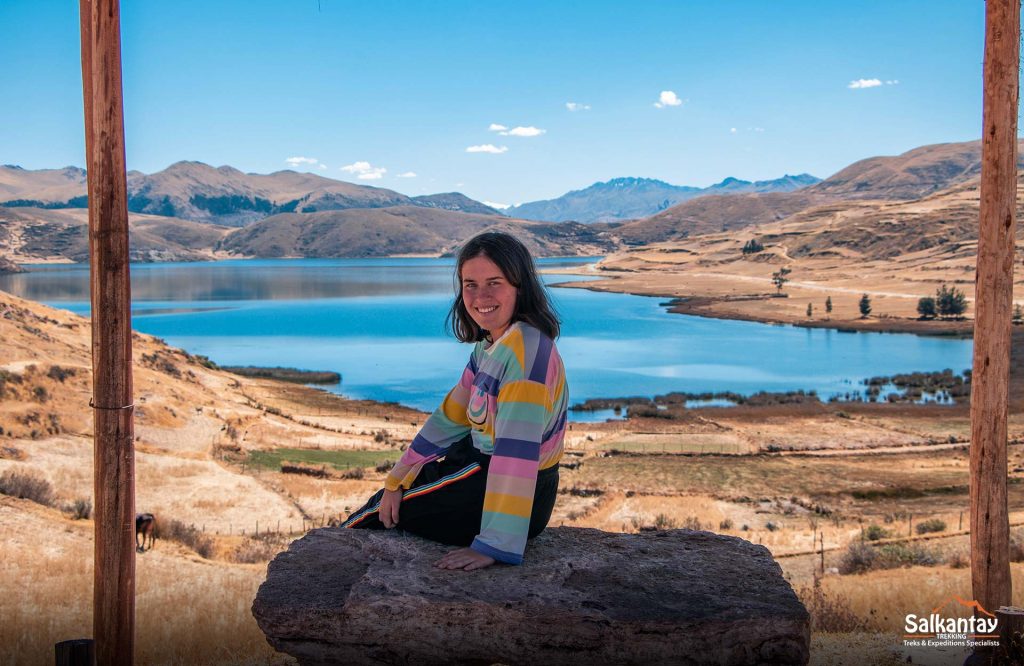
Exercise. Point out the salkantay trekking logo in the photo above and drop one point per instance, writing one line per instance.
(935, 630)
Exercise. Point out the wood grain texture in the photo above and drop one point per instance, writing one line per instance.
(990, 566)
(114, 467)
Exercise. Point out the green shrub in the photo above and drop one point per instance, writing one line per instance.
(876, 532)
(80, 509)
(752, 246)
(830, 614)
(858, 558)
(664, 522)
(926, 308)
(256, 550)
(26, 485)
(933, 525)
(186, 535)
(691, 523)
(893, 555)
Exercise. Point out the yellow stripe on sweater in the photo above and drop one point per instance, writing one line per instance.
(508, 504)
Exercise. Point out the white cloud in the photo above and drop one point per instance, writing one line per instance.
(296, 161)
(576, 106)
(892, 82)
(516, 131)
(864, 83)
(668, 98)
(756, 129)
(487, 148)
(732, 130)
(323, 166)
(498, 206)
(524, 131)
(365, 171)
(407, 174)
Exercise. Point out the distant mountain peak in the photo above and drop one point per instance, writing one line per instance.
(630, 197)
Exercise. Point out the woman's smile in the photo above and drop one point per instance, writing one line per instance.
(489, 297)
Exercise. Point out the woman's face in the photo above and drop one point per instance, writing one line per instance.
(489, 297)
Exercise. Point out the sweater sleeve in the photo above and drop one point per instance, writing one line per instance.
(523, 408)
(447, 425)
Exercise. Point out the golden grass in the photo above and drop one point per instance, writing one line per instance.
(885, 597)
(187, 610)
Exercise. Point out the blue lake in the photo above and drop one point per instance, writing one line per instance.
(380, 323)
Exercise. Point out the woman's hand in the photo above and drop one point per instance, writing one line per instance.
(389, 505)
(466, 559)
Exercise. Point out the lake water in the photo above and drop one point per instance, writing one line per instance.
(380, 323)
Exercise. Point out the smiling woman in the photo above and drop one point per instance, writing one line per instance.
(482, 473)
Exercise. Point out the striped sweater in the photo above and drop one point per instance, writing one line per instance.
(513, 398)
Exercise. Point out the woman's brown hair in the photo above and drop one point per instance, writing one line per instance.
(517, 265)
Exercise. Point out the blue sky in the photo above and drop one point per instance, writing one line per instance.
(390, 89)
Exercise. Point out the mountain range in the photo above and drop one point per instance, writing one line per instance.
(217, 195)
(630, 198)
(192, 211)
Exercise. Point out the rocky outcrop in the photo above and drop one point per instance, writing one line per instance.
(582, 597)
(8, 266)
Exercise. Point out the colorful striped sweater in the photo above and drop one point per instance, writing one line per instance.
(513, 398)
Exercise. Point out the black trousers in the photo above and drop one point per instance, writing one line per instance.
(445, 502)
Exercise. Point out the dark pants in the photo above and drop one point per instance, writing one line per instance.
(445, 502)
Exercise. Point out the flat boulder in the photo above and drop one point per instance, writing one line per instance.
(583, 596)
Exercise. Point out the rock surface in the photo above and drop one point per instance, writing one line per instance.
(582, 597)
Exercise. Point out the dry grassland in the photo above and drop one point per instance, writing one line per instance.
(196, 428)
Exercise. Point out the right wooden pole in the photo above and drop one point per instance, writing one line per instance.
(990, 528)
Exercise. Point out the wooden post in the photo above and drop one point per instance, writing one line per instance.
(113, 424)
(989, 523)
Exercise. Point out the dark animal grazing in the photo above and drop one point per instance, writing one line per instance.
(145, 524)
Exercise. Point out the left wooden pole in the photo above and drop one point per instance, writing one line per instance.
(110, 288)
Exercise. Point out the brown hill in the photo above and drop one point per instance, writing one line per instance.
(34, 234)
(399, 230)
(917, 173)
(712, 214)
(911, 175)
(46, 185)
(222, 195)
(894, 251)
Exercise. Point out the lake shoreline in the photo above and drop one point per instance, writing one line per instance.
(713, 307)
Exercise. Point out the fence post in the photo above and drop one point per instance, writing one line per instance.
(1011, 633)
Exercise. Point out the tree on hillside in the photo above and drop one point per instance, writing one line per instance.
(810, 310)
(828, 306)
(779, 278)
(950, 302)
(865, 306)
(752, 247)
(926, 308)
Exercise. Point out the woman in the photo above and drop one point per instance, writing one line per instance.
(482, 473)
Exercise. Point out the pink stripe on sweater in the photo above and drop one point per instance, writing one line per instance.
(524, 469)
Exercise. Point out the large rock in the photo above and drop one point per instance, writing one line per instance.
(582, 597)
